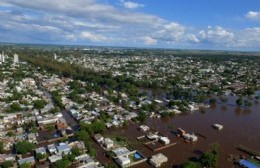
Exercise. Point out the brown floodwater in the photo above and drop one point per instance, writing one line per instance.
(241, 126)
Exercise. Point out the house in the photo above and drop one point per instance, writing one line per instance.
(152, 136)
(54, 158)
(75, 114)
(123, 160)
(115, 123)
(121, 151)
(47, 120)
(29, 160)
(108, 143)
(19, 130)
(40, 150)
(131, 115)
(32, 138)
(8, 142)
(247, 164)
(164, 140)
(6, 157)
(144, 128)
(52, 149)
(63, 149)
(84, 158)
(158, 159)
(98, 138)
(78, 144)
(91, 165)
(218, 126)
(20, 138)
(181, 132)
(158, 101)
(109, 125)
(190, 137)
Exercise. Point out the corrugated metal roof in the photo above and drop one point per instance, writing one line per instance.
(247, 164)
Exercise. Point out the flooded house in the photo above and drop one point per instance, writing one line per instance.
(158, 159)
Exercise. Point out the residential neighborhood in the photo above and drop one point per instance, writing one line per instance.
(53, 115)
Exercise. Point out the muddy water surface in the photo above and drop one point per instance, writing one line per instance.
(241, 126)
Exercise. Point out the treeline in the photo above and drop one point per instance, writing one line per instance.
(102, 79)
(105, 80)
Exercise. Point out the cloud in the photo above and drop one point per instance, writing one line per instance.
(149, 40)
(88, 10)
(253, 15)
(73, 18)
(216, 35)
(222, 38)
(249, 37)
(193, 38)
(171, 32)
(131, 5)
(94, 22)
(93, 37)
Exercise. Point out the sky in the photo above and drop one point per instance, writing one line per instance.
(176, 24)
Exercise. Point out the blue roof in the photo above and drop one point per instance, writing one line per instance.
(26, 160)
(247, 164)
(63, 147)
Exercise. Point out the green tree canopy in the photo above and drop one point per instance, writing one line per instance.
(239, 101)
(39, 104)
(191, 164)
(6, 164)
(25, 165)
(64, 163)
(1, 146)
(24, 147)
(209, 159)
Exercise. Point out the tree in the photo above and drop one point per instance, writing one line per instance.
(64, 163)
(15, 107)
(98, 126)
(191, 164)
(24, 147)
(209, 159)
(51, 128)
(1, 146)
(6, 164)
(70, 157)
(165, 114)
(39, 104)
(76, 151)
(215, 147)
(109, 154)
(25, 165)
(239, 101)
(86, 127)
(10, 133)
(30, 126)
(142, 116)
(82, 135)
(250, 91)
(202, 109)
(212, 101)
(40, 156)
(92, 151)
